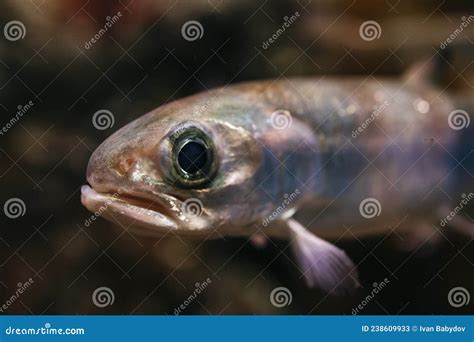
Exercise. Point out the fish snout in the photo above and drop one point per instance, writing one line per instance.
(107, 171)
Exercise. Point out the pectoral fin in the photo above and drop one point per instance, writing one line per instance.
(323, 264)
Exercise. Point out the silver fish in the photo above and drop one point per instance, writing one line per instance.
(294, 159)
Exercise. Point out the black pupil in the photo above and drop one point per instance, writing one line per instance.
(192, 157)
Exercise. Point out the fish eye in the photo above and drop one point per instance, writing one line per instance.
(193, 157)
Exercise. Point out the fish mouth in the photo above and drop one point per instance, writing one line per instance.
(152, 215)
(132, 211)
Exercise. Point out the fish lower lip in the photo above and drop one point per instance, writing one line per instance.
(128, 207)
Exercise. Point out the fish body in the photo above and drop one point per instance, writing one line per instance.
(384, 144)
(285, 158)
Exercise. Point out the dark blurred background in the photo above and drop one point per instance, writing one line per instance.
(143, 61)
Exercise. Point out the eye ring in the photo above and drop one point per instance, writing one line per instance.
(193, 157)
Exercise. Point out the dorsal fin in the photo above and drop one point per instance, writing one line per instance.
(433, 71)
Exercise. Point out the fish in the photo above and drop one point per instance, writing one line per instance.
(299, 159)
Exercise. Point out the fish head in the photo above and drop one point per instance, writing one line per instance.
(183, 168)
(193, 167)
